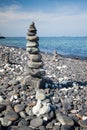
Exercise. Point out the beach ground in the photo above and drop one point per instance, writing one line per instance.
(65, 90)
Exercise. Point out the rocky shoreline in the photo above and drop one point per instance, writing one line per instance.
(65, 93)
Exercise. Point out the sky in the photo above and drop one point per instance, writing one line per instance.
(51, 17)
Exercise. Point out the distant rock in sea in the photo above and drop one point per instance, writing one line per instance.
(1, 37)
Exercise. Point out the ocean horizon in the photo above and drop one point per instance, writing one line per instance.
(64, 45)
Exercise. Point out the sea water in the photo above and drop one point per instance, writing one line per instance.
(67, 46)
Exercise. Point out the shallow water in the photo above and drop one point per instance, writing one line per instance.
(67, 46)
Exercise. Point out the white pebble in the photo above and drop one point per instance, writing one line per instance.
(84, 117)
(64, 66)
(15, 96)
(60, 79)
(11, 99)
(59, 67)
(1, 70)
(45, 119)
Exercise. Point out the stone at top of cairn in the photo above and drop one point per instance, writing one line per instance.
(31, 35)
(32, 27)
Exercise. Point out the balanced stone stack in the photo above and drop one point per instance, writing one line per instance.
(35, 64)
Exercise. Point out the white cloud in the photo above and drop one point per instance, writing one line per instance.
(16, 22)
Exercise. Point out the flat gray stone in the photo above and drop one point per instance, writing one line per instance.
(37, 82)
(42, 128)
(36, 122)
(11, 115)
(33, 50)
(31, 33)
(19, 107)
(83, 123)
(32, 44)
(23, 122)
(36, 72)
(64, 119)
(32, 38)
(56, 127)
(35, 57)
(35, 65)
(19, 128)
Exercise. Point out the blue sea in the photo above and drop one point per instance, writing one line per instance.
(67, 46)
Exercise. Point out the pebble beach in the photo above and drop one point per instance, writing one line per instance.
(65, 92)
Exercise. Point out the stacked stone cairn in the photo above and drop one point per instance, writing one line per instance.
(55, 56)
(35, 64)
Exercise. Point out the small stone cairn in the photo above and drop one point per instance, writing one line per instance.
(55, 56)
(35, 63)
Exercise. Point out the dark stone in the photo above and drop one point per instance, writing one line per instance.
(50, 115)
(1, 127)
(2, 107)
